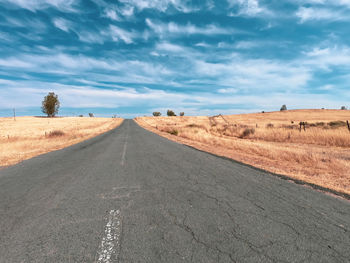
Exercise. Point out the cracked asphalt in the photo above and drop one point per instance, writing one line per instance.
(176, 204)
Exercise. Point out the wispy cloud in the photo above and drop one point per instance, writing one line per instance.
(172, 28)
(62, 24)
(160, 5)
(118, 34)
(33, 5)
(315, 14)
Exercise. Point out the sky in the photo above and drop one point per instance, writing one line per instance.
(201, 57)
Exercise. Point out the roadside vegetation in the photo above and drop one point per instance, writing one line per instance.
(310, 145)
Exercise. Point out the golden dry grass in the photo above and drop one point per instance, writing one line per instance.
(30, 136)
(319, 155)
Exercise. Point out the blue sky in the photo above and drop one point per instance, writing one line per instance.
(203, 57)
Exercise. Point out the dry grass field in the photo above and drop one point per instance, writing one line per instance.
(271, 141)
(30, 136)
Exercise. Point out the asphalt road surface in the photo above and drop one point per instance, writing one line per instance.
(132, 196)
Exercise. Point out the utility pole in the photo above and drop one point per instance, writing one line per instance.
(14, 114)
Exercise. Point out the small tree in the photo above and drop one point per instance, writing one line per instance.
(170, 113)
(50, 104)
(343, 108)
(182, 114)
(283, 108)
(91, 115)
(156, 114)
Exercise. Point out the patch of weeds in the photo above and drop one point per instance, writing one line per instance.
(56, 133)
(173, 132)
(247, 132)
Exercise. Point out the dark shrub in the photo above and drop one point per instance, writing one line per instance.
(156, 114)
(171, 113)
(336, 124)
(247, 132)
(269, 125)
(182, 114)
(173, 132)
(343, 108)
(91, 115)
(56, 133)
(283, 108)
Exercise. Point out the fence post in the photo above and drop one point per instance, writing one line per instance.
(347, 122)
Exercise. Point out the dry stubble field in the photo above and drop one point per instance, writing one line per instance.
(271, 141)
(30, 136)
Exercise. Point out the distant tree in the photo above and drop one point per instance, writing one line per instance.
(343, 108)
(50, 104)
(81, 115)
(283, 108)
(171, 113)
(182, 114)
(156, 114)
(91, 115)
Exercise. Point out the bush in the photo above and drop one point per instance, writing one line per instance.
(269, 125)
(336, 124)
(173, 132)
(50, 104)
(182, 114)
(81, 115)
(156, 114)
(283, 108)
(56, 133)
(91, 115)
(170, 113)
(247, 132)
(343, 108)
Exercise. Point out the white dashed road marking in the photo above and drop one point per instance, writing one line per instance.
(124, 152)
(125, 145)
(108, 251)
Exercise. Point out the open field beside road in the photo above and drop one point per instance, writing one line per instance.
(272, 141)
(30, 136)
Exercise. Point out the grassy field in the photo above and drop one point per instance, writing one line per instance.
(271, 141)
(30, 136)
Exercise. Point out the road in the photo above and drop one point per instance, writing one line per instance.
(132, 196)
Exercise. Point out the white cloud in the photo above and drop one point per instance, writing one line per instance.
(247, 8)
(228, 90)
(328, 57)
(160, 5)
(255, 74)
(202, 44)
(33, 5)
(118, 34)
(165, 46)
(314, 13)
(112, 14)
(62, 24)
(171, 28)
(90, 36)
(325, 3)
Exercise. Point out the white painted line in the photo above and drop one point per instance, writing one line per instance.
(122, 162)
(109, 248)
(124, 152)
